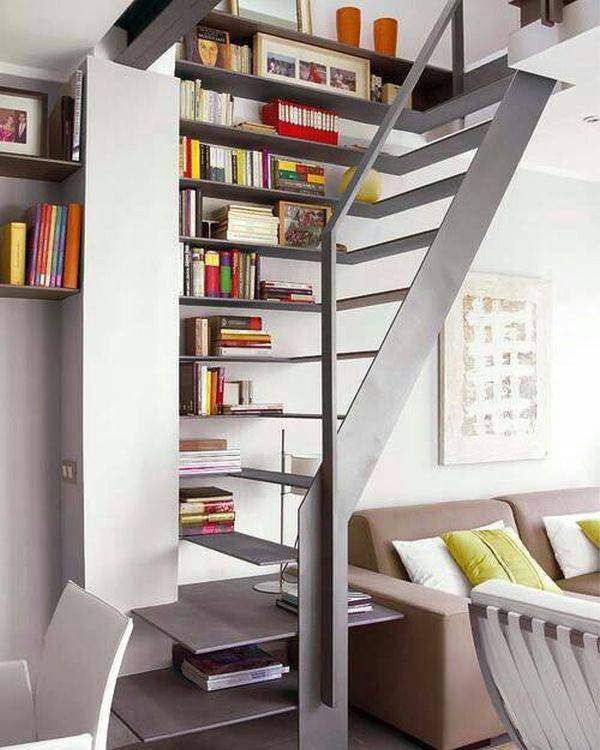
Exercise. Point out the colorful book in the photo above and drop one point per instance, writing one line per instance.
(13, 238)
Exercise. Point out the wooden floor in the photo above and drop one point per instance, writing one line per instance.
(279, 733)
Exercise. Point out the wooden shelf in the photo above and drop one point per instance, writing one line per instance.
(36, 292)
(36, 167)
(279, 360)
(268, 251)
(275, 477)
(162, 704)
(201, 620)
(244, 547)
(250, 304)
(285, 415)
(434, 86)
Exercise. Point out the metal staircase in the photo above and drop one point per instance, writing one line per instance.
(350, 453)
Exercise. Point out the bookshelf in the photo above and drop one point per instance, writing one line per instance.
(247, 548)
(12, 291)
(37, 168)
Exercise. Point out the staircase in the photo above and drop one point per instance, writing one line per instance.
(351, 452)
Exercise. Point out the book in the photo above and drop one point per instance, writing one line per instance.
(205, 493)
(70, 277)
(203, 444)
(196, 337)
(191, 507)
(207, 46)
(208, 527)
(194, 519)
(13, 252)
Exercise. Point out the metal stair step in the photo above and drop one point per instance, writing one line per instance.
(391, 247)
(420, 196)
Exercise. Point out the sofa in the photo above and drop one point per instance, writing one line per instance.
(421, 675)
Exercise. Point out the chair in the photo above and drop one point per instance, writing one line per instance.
(70, 706)
(539, 653)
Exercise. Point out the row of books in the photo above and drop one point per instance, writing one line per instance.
(302, 121)
(358, 602)
(231, 667)
(64, 123)
(205, 510)
(286, 291)
(238, 166)
(203, 105)
(206, 462)
(219, 335)
(246, 223)
(44, 250)
(233, 274)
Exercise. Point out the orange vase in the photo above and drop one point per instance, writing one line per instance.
(348, 26)
(385, 35)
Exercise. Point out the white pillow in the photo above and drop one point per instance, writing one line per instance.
(574, 552)
(428, 562)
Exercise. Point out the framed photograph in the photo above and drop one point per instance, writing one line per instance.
(301, 224)
(495, 371)
(289, 14)
(311, 66)
(23, 122)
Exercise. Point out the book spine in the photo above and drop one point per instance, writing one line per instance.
(201, 529)
(211, 278)
(34, 234)
(220, 389)
(225, 279)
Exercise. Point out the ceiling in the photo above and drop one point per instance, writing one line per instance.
(53, 35)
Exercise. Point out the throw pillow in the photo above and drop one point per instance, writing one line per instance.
(493, 554)
(574, 552)
(428, 563)
(591, 528)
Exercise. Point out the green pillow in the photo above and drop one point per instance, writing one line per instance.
(591, 528)
(491, 553)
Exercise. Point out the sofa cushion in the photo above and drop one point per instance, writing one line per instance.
(591, 528)
(371, 531)
(588, 584)
(529, 510)
(575, 554)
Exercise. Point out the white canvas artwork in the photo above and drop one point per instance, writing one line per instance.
(495, 371)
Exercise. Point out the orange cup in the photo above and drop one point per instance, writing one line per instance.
(348, 26)
(385, 35)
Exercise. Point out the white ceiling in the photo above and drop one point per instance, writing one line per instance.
(53, 35)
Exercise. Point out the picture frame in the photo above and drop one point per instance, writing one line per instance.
(311, 66)
(301, 224)
(495, 371)
(23, 122)
(248, 9)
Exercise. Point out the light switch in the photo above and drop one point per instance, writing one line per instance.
(68, 471)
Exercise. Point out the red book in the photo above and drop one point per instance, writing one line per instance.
(225, 527)
(220, 389)
(43, 248)
(188, 157)
(212, 274)
(235, 344)
(214, 375)
(235, 274)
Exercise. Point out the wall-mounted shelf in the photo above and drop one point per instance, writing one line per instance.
(267, 251)
(250, 304)
(36, 167)
(163, 703)
(278, 360)
(211, 189)
(244, 547)
(275, 477)
(285, 415)
(36, 292)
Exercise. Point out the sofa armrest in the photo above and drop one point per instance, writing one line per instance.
(398, 594)
(16, 703)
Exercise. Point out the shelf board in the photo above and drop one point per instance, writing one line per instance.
(267, 251)
(36, 167)
(275, 477)
(280, 360)
(36, 292)
(285, 415)
(434, 83)
(250, 304)
(244, 547)
(265, 89)
(161, 704)
(201, 620)
(374, 298)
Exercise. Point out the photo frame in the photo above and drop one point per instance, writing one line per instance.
(293, 14)
(311, 66)
(301, 224)
(495, 371)
(23, 122)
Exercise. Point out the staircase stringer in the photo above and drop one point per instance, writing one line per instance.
(412, 335)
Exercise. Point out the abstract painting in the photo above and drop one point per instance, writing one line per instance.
(495, 371)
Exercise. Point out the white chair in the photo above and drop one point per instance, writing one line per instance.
(539, 653)
(70, 706)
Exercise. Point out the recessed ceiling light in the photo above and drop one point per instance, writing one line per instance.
(592, 119)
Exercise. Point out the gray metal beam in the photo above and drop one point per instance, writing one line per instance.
(391, 247)
(421, 196)
(458, 50)
(487, 73)
(388, 383)
(434, 152)
(167, 28)
(368, 300)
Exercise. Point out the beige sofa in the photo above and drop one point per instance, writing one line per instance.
(422, 675)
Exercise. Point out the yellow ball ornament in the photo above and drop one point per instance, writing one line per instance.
(370, 189)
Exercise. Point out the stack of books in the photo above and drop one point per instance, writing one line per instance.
(302, 121)
(44, 250)
(255, 410)
(232, 667)
(297, 177)
(202, 105)
(234, 166)
(195, 460)
(247, 223)
(241, 58)
(286, 291)
(222, 335)
(201, 389)
(256, 127)
(205, 510)
(357, 601)
(233, 274)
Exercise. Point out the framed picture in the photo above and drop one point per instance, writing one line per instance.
(301, 224)
(310, 66)
(495, 371)
(23, 122)
(289, 14)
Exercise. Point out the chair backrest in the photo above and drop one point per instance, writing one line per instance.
(83, 651)
(539, 653)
